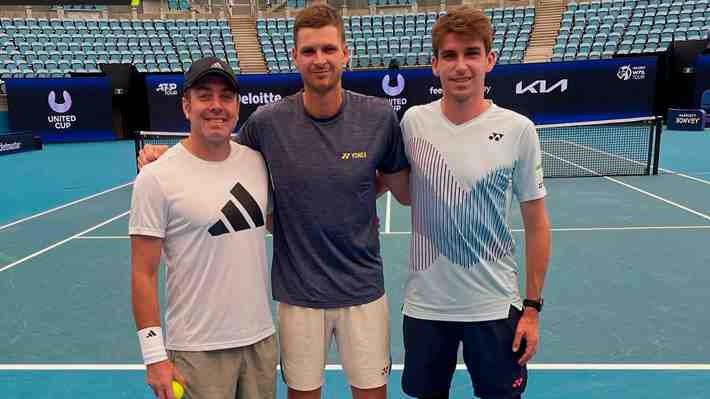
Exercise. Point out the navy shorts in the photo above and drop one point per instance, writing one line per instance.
(431, 349)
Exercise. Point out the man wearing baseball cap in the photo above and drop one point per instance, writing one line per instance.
(203, 205)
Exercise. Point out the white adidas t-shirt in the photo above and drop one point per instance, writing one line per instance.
(211, 216)
(463, 178)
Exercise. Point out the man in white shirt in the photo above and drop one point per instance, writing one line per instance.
(203, 206)
(468, 158)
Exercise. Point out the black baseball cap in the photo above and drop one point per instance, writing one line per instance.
(209, 66)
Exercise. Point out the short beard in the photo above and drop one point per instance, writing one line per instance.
(321, 90)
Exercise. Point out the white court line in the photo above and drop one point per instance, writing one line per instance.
(684, 175)
(560, 229)
(103, 238)
(677, 205)
(64, 241)
(65, 205)
(337, 367)
(572, 229)
(626, 228)
(388, 212)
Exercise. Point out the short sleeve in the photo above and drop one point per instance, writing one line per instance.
(270, 196)
(248, 134)
(528, 182)
(148, 207)
(394, 158)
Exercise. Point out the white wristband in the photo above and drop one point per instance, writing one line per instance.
(152, 347)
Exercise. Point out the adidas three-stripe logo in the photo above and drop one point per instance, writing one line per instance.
(234, 215)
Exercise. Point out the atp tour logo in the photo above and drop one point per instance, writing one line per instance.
(394, 91)
(60, 122)
(628, 72)
(168, 89)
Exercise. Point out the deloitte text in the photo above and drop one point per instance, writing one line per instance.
(259, 98)
(10, 146)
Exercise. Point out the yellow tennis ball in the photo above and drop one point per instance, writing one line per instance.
(178, 390)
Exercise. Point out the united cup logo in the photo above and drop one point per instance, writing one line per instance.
(60, 120)
(393, 91)
(59, 108)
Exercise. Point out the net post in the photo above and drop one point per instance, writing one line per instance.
(657, 143)
(137, 141)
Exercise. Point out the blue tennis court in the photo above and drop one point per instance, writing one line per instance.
(625, 295)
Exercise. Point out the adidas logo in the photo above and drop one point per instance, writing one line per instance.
(234, 215)
(151, 334)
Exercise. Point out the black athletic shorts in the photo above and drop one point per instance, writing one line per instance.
(431, 349)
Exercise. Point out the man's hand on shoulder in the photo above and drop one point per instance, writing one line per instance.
(150, 153)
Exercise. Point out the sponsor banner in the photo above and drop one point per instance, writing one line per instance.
(702, 84)
(58, 110)
(165, 93)
(546, 93)
(686, 119)
(14, 143)
(561, 92)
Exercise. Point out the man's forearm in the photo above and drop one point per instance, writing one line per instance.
(398, 185)
(144, 295)
(537, 254)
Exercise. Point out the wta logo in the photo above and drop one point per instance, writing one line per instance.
(624, 72)
(631, 72)
(59, 108)
(390, 90)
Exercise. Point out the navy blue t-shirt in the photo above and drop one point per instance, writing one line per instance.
(326, 242)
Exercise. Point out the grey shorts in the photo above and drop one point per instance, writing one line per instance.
(247, 372)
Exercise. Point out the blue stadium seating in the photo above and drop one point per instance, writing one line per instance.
(375, 40)
(628, 27)
(53, 48)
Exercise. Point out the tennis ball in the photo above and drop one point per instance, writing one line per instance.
(178, 390)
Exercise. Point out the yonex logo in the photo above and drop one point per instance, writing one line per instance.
(495, 136)
(393, 91)
(353, 155)
(59, 107)
(151, 334)
(234, 215)
(624, 72)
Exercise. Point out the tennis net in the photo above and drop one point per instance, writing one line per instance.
(619, 147)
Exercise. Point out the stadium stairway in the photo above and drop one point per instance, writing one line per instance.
(547, 23)
(251, 60)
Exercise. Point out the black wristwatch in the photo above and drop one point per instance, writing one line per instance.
(535, 304)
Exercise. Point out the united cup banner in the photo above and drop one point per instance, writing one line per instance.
(58, 110)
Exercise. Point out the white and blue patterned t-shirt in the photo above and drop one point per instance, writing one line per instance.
(463, 177)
